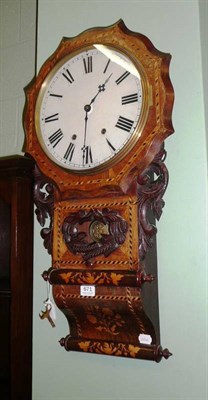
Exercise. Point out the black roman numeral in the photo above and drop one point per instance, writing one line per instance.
(87, 155)
(51, 118)
(87, 64)
(122, 77)
(107, 65)
(131, 98)
(125, 124)
(55, 138)
(68, 76)
(69, 152)
(55, 95)
(110, 145)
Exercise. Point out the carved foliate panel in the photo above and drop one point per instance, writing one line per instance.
(99, 234)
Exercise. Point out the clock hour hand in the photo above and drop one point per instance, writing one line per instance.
(101, 88)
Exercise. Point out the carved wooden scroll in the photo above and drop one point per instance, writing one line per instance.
(95, 232)
(152, 184)
(44, 200)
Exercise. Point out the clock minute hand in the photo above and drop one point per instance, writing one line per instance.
(108, 78)
(87, 108)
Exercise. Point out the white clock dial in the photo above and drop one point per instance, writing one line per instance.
(89, 109)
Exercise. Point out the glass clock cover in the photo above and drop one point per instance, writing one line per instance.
(90, 109)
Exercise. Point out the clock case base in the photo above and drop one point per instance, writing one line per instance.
(109, 323)
(124, 306)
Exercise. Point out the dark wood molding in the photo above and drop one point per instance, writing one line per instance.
(152, 184)
(16, 277)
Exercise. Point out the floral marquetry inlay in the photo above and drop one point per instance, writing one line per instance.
(120, 349)
(104, 319)
(91, 278)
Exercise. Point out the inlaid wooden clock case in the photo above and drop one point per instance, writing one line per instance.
(101, 223)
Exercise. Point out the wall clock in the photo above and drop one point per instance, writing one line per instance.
(96, 118)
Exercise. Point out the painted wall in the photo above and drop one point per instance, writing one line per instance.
(203, 14)
(17, 67)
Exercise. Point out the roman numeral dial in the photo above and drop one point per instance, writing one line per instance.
(68, 76)
(122, 77)
(69, 152)
(124, 123)
(55, 138)
(51, 118)
(90, 109)
(87, 155)
(110, 145)
(87, 64)
(131, 98)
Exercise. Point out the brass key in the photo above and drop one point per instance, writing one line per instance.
(46, 314)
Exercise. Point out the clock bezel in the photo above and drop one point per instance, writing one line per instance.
(146, 103)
